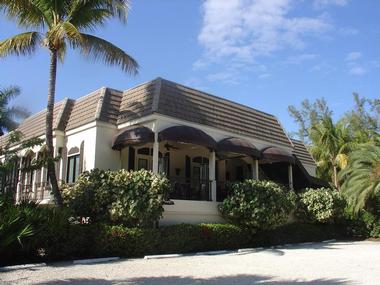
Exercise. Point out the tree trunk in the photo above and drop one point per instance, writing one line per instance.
(49, 129)
(335, 177)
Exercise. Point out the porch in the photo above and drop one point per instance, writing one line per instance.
(198, 167)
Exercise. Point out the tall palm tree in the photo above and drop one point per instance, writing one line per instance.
(56, 26)
(9, 116)
(331, 145)
(361, 178)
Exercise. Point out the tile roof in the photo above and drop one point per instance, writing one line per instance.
(34, 126)
(302, 153)
(162, 97)
(178, 101)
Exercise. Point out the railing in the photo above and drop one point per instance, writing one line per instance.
(190, 189)
(27, 193)
(40, 192)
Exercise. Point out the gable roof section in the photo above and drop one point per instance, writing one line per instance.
(302, 153)
(102, 105)
(138, 101)
(178, 101)
(34, 126)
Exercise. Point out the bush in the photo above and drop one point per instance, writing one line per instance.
(322, 205)
(258, 204)
(132, 198)
(25, 226)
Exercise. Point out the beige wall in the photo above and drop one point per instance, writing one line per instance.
(193, 212)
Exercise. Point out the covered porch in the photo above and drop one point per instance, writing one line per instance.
(198, 167)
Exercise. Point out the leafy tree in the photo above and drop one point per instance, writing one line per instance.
(308, 116)
(56, 26)
(361, 178)
(9, 116)
(331, 146)
(363, 119)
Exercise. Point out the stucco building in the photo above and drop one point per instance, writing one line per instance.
(200, 141)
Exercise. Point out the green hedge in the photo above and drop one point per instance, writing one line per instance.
(88, 241)
(258, 204)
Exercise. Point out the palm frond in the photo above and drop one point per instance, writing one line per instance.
(26, 13)
(8, 93)
(98, 49)
(21, 44)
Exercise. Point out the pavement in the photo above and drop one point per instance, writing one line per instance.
(315, 263)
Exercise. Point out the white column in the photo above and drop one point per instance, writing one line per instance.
(60, 169)
(156, 146)
(290, 175)
(255, 169)
(18, 192)
(211, 174)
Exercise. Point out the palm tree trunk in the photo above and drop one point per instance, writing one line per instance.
(335, 177)
(49, 129)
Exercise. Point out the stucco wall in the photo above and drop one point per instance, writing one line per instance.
(192, 212)
(106, 158)
(88, 136)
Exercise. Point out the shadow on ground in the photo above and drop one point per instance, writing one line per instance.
(177, 280)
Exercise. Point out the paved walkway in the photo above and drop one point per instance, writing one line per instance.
(317, 263)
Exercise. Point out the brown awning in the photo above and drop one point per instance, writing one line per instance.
(239, 146)
(274, 154)
(187, 134)
(132, 135)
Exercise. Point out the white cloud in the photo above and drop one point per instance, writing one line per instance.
(324, 3)
(353, 56)
(301, 58)
(348, 31)
(264, 76)
(358, 70)
(244, 29)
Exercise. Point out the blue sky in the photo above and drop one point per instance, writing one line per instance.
(266, 54)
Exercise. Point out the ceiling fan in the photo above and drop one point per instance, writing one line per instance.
(169, 146)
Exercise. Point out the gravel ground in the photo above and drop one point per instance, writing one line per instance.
(317, 263)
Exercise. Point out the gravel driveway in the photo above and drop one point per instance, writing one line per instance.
(317, 263)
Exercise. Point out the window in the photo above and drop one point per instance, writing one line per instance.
(72, 168)
(142, 164)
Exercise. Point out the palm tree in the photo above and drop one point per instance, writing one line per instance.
(10, 116)
(56, 26)
(331, 145)
(361, 178)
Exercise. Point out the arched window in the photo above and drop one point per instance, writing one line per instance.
(73, 165)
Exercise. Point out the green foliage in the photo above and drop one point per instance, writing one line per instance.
(331, 142)
(14, 223)
(361, 179)
(257, 204)
(331, 145)
(96, 240)
(10, 116)
(321, 205)
(133, 198)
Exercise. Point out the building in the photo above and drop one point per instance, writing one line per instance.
(200, 141)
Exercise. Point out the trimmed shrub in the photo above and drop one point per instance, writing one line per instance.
(258, 204)
(322, 205)
(132, 198)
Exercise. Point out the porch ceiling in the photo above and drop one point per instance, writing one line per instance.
(239, 146)
(187, 134)
(133, 135)
(274, 154)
